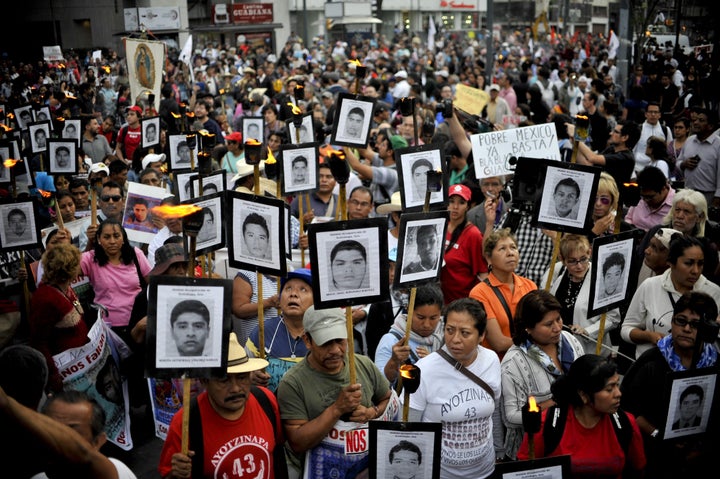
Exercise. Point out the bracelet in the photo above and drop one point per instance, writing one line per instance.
(377, 411)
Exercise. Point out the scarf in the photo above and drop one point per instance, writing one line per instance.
(708, 356)
(431, 343)
(565, 355)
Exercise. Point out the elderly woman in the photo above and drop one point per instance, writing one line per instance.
(502, 290)
(693, 329)
(571, 286)
(56, 316)
(117, 272)
(688, 215)
(541, 352)
(649, 315)
(467, 439)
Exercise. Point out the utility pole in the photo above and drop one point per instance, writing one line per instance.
(490, 59)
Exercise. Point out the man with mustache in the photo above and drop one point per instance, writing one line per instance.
(318, 400)
(235, 424)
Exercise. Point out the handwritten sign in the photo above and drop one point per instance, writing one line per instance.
(470, 100)
(492, 151)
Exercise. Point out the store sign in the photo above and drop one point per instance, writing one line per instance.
(252, 12)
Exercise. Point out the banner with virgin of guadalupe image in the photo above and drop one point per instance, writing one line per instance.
(94, 369)
(145, 62)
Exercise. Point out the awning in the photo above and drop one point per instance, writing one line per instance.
(355, 20)
(240, 27)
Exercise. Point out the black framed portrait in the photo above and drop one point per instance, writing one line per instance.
(181, 151)
(304, 134)
(6, 153)
(353, 118)
(556, 467)
(211, 183)
(182, 186)
(405, 449)
(412, 164)
(421, 243)
(10, 150)
(568, 195)
(253, 128)
(23, 116)
(20, 225)
(288, 233)
(299, 167)
(71, 130)
(43, 114)
(351, 261)
(612, 269)
(63, 156)
(690, 399)
(188, 326)
(39, 134)
(150, 128)
(257, 234)
(211, 236)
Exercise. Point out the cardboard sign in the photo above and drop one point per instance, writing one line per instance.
(492, 151)
(470, 100)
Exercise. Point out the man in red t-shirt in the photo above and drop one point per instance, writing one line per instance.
(129, 136)
(236, 431)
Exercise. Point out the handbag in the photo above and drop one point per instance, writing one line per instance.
(476, 379)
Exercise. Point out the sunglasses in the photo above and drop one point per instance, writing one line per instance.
(682, 322)
(114, 198)
(604, 200)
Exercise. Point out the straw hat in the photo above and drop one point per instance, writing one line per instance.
(238, 360)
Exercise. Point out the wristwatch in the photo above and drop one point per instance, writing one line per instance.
(655, 433)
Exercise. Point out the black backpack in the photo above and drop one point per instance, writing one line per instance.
(196, 436)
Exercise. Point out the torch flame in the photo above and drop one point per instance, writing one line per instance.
(252, 142)
(175, 211)
(355, 62)
(532, 405)
(175, 115)
(190, 114)
(406, 372)
(328, 151)
(295, 109)
(10, 163)
(5, 127)
(10, 115)
(44, 193)
(270, 160)
(205, 133)
(628, 185)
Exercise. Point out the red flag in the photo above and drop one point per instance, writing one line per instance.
(552, 35)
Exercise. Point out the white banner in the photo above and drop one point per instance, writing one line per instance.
(94, 369)
(53, 53)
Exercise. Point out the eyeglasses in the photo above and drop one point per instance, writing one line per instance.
(574, 262)
(682, 322)
(364, 204)
(114, 198)
(604, 200)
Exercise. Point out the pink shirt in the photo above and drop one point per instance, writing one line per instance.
(644, 217)
(115, 285)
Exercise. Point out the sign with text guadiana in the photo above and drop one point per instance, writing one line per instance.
(493, 150)
(251, 12)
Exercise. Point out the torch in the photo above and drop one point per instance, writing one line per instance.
(52, 201)
(407, 108)
(191, 140)
(271, 171)
(531, 418)
(410, 376)
(10, 165)
(189, 118)
(360, 72)
(297, 118)
(177, 121)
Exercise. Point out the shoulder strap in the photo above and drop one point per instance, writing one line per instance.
(279, 464)
(623, 430)
(466, 372)
(195, 435)
(504, 304)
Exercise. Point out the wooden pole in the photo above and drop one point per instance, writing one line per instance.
(301, 217)
(556, 250)
(185, 442)
(261, 310)
(348, 309)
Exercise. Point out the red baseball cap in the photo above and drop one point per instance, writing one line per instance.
(234, 136)
(462, 191)
(136, 109)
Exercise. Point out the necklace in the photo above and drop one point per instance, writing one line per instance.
(292, 343)
(75, 302)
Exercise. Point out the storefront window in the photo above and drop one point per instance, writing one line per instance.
(448, 21)
(470, 21)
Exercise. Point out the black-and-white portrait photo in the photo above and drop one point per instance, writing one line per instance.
(258, 233)
(20, 228)
(150, 131)
(6, 154)
(183, 185)
(180, 152)
(350, 256)
(410, 451)
(413, 165)
(351, 126)
(211, 184)
(420, 247)
(253, 128)
(612, 259)
(187, 324)
(43, 114)
(10, 149)
(23, 116)
(690, 403)
(63, 154)
(304, 134)
(299, 167)
(567, 197)
(39, 134)
(211, 236)
(71, 129)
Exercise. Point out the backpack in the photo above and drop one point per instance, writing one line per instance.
(554, 428)
(196, 436)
